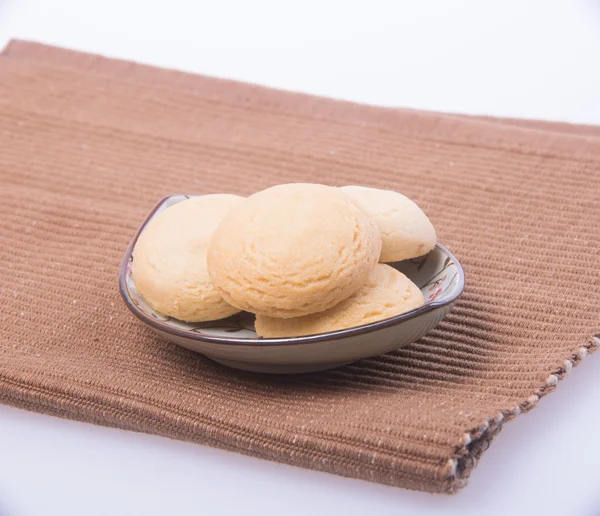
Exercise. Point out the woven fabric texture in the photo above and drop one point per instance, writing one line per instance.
(88, 145)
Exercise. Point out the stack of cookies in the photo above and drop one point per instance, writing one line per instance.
(305, 258)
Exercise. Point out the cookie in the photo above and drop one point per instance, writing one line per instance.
(406, 232)
(293, 250)
(169, 259)
(387, 292)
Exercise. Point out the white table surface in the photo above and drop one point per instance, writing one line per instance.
(523, 59)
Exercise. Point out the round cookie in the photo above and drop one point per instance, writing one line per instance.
(387, 292)
(293, 250)
(406, 232)
(169, 259)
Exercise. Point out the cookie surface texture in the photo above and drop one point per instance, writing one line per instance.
(406, 232)
(169, 260)
(293, 250)
(387, 292)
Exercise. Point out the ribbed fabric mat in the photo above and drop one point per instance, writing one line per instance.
(90, 144)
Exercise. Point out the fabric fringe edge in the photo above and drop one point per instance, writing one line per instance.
(477, 440)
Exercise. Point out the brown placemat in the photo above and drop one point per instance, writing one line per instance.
(63, 57)
(85, 153)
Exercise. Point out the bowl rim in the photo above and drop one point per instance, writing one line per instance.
(280, 341)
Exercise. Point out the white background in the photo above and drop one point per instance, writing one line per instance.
(535, 59)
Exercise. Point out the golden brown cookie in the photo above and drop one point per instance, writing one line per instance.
(406, 232)
(293, 250)
(169, 260)
(387, 292)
